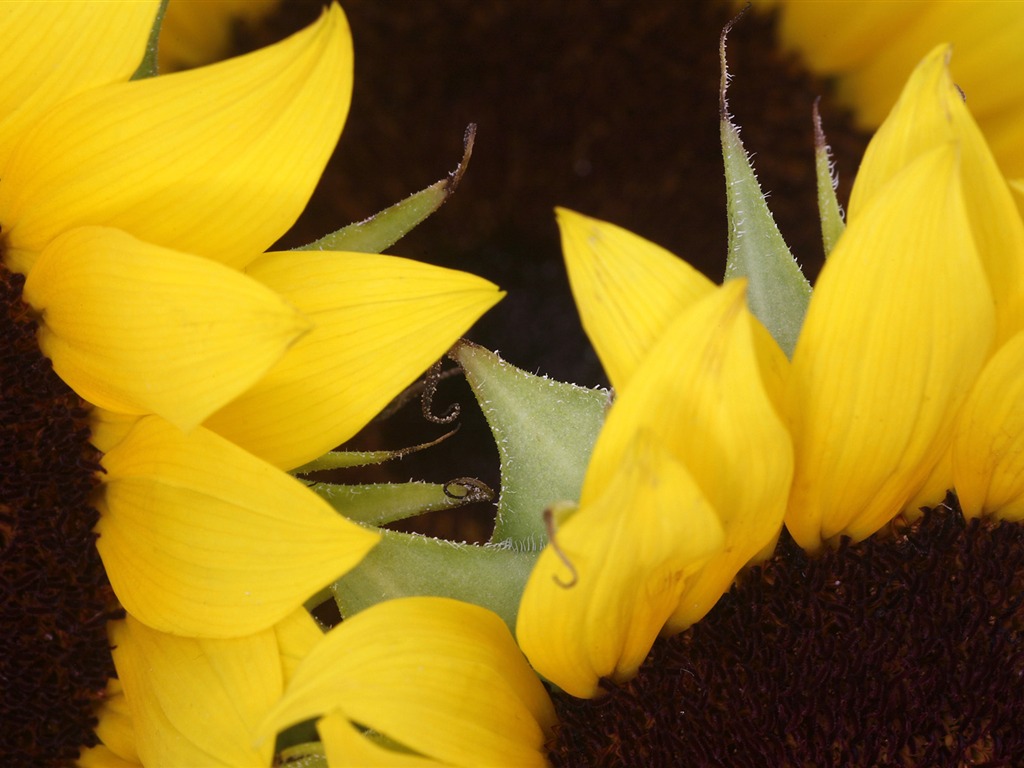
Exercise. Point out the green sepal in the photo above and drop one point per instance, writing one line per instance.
(831, 214)
(777, 292)
(383, 229)
(348, 459)
(382, 503)
(545, 431)
(147, 67)
(405, 564)
(306, 755)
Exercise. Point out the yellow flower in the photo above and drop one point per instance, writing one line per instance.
(663, 526)
(871, 48)
(139, 213)
(398, 670)
(894, 369)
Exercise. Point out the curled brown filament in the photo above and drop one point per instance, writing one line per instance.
(549, 525)
(433, 376)
(472, 490)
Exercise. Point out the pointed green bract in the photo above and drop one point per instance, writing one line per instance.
(347, 459)
(778, 293)
(832, 223)
(404, 564)
(147, 67)
(383, 229)
(544, 430)
(382, 503)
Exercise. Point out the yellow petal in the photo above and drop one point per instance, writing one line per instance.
(136, 328)
(874, 46)
(988, 449)
(196, 33)
(200, 538)
(631, 550)
(54, 50)
(627, 289)
(437, 676)
(711, 389)
(346, 747)
(380, 321)
(931, 113)
(297, 634)
(116, 732)
(217, 161)
(900, 323)
(197, 702)
(855, 30)
(108, 428)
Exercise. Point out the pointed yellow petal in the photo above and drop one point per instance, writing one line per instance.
(380, 321)
(900, 323)
(197, 702)
(988, 449)
(346, 747)
(200, 538)
(217, 161)
(631, 550)
(930, 113)
(139, 329)
(437, 676)
(627, 289)
(54, 50)
(709, 389)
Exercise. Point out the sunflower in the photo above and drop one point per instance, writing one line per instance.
(904, 384)
(190, 368)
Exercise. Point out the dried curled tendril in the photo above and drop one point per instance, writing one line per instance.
(549, 526)
(434, 375)
(472, 490)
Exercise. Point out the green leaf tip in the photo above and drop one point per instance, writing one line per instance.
(383, 503)
(778, 293)
(147, 67)
(544, 430)
(831, 214)
(384, 229)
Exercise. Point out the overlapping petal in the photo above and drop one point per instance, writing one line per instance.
(930, 113)
(627, 289)
(136, 328)
(297, 633)
(872, 48)
(900, 323)
(593, 607)
(115, 731)
(380, 321)
(200, 538)
(710, 389)
(197, 701)
(988, 449)
(437, 676)
(54, 50)
(346, 746)
(223, 179)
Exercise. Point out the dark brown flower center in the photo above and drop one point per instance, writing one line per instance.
(54, 596)
(903, 650)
